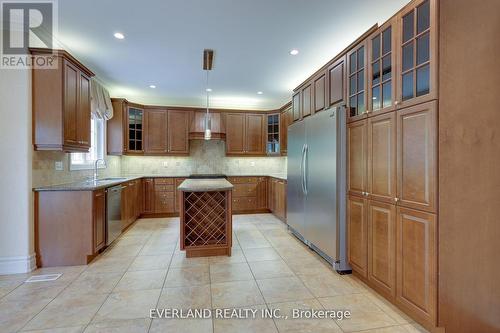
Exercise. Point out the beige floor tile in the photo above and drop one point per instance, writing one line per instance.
(8, 285)
(157, 248)
(72, 329)
(120, 326)
(94, 283)
(145, 263)
(131, 241)
(36, 290)
(181, 326)
(192, 297)
(230, 272)
(329, 284)
(119, 250)
(303, 324)
(65, 311)
(270, 269)
(261, 254)
(236, 257)
(387, 307)
(252, 239)
(235, 294)
(180, 260)
(408, 328)
(188, 276)
(258, 324)
(15, 314)
(140, 280)
(283, 290)
(295, 252)
(357, 283)
(311, 266)
(128, 305)
(110, 264)
(365, 314)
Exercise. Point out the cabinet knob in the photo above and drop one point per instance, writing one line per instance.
(396, 199)
(396, 102)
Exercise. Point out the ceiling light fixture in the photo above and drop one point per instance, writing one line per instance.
(208, 57)
(152, 86)
(119, 35)
(294, 52)
(259, 92)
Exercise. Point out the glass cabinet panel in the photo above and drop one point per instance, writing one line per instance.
(273, 134)
(357, 82)
(135, 120)
(415, 68)
(381, 83)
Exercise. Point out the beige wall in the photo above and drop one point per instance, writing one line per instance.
(16, 222)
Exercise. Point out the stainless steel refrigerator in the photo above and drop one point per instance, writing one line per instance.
(316, 190)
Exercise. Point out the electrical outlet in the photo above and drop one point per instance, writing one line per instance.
(252, 163)
(59, 166)
(165, 164)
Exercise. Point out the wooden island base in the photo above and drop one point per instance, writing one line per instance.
(206, 217)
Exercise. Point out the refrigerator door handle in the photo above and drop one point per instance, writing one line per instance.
(302, 170)
(306, 153)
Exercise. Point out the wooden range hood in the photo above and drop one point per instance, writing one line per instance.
(197, 129)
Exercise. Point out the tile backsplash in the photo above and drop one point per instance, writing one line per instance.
(205, 157)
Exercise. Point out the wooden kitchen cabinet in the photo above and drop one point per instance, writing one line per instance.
(156, 129)
(99, 219)
(357, 157)
(148, 196)
(274, 130)
(164, 196)
(418, 52)
(319, 100)
(245, 134)
(178, 132)
(382, 247)
(417, 157)
(416, 264)
(126, 130)
(61, 104)
(382, 60)
(357, 77)
(296, 107)
(286, 119)
(277, 197)
(357, 234)
(336, 83)
(382, 182)
(306, 100)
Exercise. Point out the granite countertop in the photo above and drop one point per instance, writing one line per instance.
(205, 185)
(117, 180)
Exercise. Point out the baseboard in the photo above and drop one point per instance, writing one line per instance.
(17, 265)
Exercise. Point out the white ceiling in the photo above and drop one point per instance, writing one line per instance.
(164, 41)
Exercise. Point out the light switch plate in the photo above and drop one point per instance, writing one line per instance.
(165, 164)
(59, 166)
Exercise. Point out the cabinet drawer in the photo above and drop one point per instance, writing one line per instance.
(163, 181)
(244, 204)
(165, 195)
(245, 190)
(242, 180)
(169, 188)
(164, 205)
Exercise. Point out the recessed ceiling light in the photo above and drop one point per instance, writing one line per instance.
(119, 35)
(294, 52)
(208, 89)
(259, 92)
(152, 86)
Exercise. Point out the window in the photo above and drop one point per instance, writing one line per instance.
(82, 161)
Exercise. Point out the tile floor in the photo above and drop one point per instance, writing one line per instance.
(269, 269)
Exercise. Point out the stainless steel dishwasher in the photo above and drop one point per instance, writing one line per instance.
(113, 213)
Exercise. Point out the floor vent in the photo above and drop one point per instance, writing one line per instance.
(43, 278)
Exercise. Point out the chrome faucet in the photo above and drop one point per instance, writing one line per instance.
(96, 163)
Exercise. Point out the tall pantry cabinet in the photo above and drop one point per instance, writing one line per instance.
(392, 160)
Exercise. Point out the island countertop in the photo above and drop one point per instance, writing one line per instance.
(205, 185)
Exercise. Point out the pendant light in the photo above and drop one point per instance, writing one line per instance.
(208, 56)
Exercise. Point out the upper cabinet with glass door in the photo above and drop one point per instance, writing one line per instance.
(356, 64)
(273, 134)
(381, 86)
(135, 137)
(418, 53)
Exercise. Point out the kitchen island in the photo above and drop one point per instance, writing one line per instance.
(205, 217)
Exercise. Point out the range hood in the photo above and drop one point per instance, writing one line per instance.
(197, 129)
